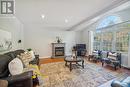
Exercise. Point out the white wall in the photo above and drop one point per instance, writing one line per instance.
(40, 39)
(14, 26)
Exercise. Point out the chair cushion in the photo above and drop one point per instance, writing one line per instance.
(15, 66)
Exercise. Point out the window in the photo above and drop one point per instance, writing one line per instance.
(112, 38)
(122, 40)
(107, 41)
(110, 20)
(97, 40)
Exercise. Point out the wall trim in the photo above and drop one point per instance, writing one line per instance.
(44, 57)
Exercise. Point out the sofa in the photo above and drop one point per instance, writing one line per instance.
(124, 83)
(21, 80)
(113, 59)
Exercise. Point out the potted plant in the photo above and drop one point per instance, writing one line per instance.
(29, 49)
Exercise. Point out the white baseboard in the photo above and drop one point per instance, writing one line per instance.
(125, 66)
(45, 57)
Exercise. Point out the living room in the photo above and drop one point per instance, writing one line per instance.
(50, 34)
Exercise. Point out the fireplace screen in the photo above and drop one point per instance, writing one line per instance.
(59, 51)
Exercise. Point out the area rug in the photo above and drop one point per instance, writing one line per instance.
(58, 75)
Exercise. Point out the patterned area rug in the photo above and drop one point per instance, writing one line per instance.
(58, 75)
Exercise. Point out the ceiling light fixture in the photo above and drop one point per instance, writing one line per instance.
(66, 21)
(43, 16)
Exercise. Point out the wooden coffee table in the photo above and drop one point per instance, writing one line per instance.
(75, 61)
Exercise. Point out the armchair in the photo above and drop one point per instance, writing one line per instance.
(81, 49)
(113, 59)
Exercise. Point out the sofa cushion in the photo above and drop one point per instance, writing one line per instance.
(15, 66)
(4, 60)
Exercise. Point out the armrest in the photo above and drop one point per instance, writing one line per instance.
(20, 78)
(118, 84)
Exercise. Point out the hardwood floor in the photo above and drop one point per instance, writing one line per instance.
(50, 60)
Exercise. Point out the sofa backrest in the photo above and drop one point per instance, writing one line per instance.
(18, 52)
(11, 54)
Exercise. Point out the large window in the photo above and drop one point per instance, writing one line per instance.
(110, 20)
(112, 38)
(97, 40)
(122, 40)
(107, 41)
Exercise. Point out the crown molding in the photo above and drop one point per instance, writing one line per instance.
(108, 8)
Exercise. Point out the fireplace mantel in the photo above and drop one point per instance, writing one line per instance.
(58, 50)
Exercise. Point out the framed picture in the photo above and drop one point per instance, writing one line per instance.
(5, 40)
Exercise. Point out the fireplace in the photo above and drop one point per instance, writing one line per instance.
(58, 50)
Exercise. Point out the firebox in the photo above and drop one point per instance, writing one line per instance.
(58, 50)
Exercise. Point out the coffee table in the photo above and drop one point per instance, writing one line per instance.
(71, 60)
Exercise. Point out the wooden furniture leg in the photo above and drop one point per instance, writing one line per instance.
(70, 66)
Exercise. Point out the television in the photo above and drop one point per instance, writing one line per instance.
(80, 46)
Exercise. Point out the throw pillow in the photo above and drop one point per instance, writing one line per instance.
(15, 66)
(95, 53)
(112, 55)
(32, 54)
(26, 58)
(18, 56)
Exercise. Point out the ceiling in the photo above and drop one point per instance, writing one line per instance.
(61, 14)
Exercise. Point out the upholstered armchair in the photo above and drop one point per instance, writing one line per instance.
(113, 59)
